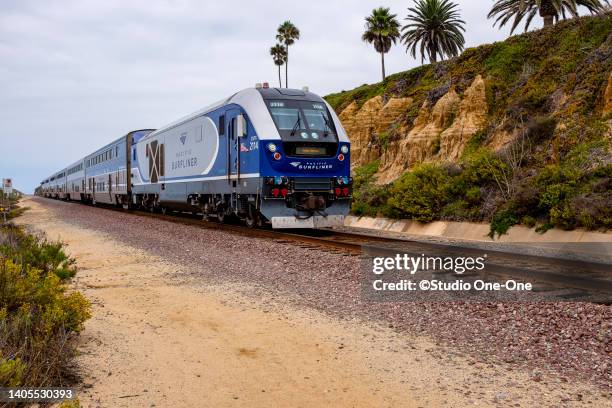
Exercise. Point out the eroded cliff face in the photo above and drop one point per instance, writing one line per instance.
(422, 141)
(439, 132)
(471, 118)
(366, 125)
(607, 105)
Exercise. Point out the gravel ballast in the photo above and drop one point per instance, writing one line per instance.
(571, 340)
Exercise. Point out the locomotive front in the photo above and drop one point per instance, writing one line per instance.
(306, 172)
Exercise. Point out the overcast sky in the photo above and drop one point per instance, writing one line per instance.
(77, 74)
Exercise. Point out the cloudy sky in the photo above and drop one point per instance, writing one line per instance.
(76, 74)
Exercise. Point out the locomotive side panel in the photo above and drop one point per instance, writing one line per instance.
(179, 166)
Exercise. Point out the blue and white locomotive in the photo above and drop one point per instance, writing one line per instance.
(263, 155)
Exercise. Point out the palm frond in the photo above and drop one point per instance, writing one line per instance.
(279, 54)
(287, 33)
(381, 29)
(435, 28)
(504, 11)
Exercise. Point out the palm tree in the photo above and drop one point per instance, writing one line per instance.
(382, 30)
(549, 10)
(279, 55)
(435, 28)
(287, 34)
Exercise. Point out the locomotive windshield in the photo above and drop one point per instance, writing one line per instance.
(303, 121)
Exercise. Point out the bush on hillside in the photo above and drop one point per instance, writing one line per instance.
(421, 193)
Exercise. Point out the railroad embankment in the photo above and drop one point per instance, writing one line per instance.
(515, 132)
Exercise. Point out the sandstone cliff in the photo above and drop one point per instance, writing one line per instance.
(431, 113)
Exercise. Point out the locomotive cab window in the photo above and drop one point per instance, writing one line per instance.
(306, 127)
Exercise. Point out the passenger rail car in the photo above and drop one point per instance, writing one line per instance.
(263, 155)
(108, 171)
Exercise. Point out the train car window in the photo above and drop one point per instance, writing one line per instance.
(116, 151)
(221, 125)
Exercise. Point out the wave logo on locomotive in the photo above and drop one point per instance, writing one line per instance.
(155, 153)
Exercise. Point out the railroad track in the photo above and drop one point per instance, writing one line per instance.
(326, 240)
(591, 281)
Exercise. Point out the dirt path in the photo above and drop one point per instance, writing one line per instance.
(158, 340)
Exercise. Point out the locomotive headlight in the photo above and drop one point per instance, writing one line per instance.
(271, 147)
(340, 180)
(344, 149)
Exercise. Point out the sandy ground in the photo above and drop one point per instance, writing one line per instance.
(159, 340)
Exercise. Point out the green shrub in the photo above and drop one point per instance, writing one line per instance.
(421, 193)
(502, 221)
(11, 371)
(369, 199)
(38, 253)
(474, 143)
(75, 403)
(15, 212)
(483, 167)
(38, 314)
(528, 221)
